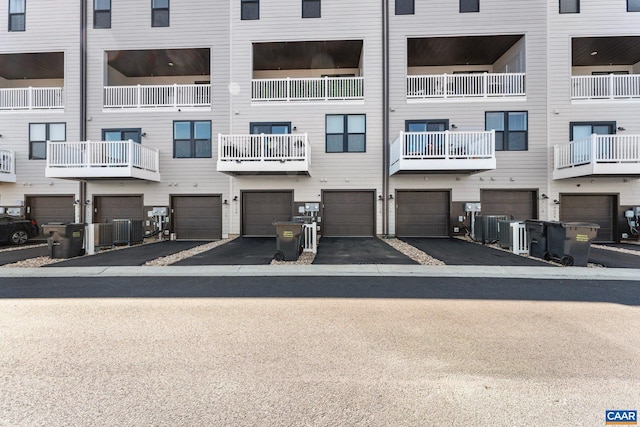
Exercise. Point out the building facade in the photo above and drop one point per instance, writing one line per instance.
(391, 115)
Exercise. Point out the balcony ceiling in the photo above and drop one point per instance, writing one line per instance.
(307, 55)
(472, 50)
(18, 66)
(610, 50)
(145, 63)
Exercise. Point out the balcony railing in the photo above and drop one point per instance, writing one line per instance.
(598, 155)
(157, 96)
(7, 166)
(254, 154)
(102, 159)
(32, 98)
(453, 86)
(308, 89)
(611, 86)
(453, 151)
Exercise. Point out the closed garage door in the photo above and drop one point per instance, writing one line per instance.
(47, 209)
(261, 208)
(197, 217)
(348, 213)
(598, 209)
(515, 204)
(422, 213)
(108, 208)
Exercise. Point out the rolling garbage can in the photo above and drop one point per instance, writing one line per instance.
(537, 238)
(64, 240)
(288, 245)
(569, 242)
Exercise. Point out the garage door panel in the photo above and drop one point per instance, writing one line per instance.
(422, 213)
(197, 217)
(348, 213)
(118, 207)
(261, 209)
(515, 204)
(48, 209)
(597, 209)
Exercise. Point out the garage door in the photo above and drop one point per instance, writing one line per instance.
(46, 209)
(422, 213)
(261, 208)
(515, 204)
(597, 209)
(348, 213)
(108, 208)
(197, 217)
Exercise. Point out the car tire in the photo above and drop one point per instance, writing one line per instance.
(19, 237)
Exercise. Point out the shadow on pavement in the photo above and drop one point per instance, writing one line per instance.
(358, 250)
(240, 251)
(453, 251)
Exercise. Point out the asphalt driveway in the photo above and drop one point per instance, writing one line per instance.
(458, 252)
(129, 256)
(358, 250)
(613, 259)
(240, 251)
(27, 252)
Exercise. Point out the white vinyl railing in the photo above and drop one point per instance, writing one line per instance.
(110, 154)
(263, 147)
(32, 98)
(611, 86)
(598, 149)
(310, 241)
(7, 162)
(443, 145)
(157, 96)
(486, 85)
(308, 89)
(519, 243)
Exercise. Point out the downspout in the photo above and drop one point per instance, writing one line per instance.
(385, 117)
(83, 101)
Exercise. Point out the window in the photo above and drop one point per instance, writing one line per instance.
(270, 128)
(159, 13)
(311, 8)
(469, 6)
(633, 5)
(101, 13)
(511, 129)
(122, 135)
(17, 10)
(569, 6)
(40, 133)
(426, 125)
(192, 139)
(345, 133)
(405, 7)
(249, 9)
(581, 130)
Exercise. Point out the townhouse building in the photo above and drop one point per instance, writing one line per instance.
(391, 115)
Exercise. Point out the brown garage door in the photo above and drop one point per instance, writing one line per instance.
(422, 213)
(515, 204)
(108, 208)
(47, 209)
(261, 208)
(197, 217)
(348, 213)
(598, 209)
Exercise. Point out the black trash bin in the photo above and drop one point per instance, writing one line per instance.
(64, 240)
(537, 238)
(288, 244)
(569, 242)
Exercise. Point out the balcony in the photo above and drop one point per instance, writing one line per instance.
(31, 98)
(605, 87)
(460, 86)
(307, 89)
(157, 96)
(443, 152)
(102, 160)
(601, 155)
(284, 154)
(7, 166)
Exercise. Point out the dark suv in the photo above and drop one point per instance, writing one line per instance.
(17, 231)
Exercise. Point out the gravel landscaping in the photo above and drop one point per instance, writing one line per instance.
(412, 252)
(168, 260)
